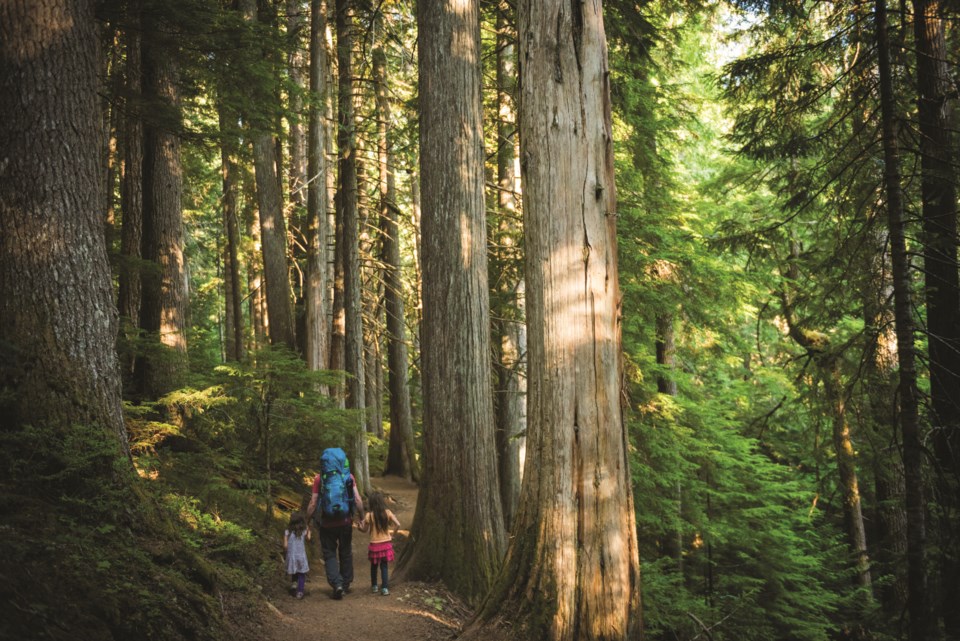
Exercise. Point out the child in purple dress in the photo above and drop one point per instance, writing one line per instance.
(295, 545)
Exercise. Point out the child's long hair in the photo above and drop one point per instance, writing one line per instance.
(378, 506)
(298, 523)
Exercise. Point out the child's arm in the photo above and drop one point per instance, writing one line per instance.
(286, 535)
(396, 523)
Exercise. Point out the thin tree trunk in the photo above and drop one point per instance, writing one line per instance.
(339, 322)
(371, 303)
(273, 234)
(317, 344)
(922, 623)
(458, 533)
(509, 313)
(824, 355)
(401, 461)
(231, 228)
(60, 366)
(131, 186)
(258, 306)
(666, 350)
(298, 152)
(847, 469)
(572, 569)
(349, 251)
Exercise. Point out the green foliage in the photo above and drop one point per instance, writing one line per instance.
(87, 553)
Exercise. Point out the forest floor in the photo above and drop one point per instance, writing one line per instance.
(413, 611)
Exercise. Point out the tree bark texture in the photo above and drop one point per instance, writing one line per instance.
(572, 569)
(59, 366)
(458, 533)
(922, 623)
(164, 277)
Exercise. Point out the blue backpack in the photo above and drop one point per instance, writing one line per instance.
(336, 487)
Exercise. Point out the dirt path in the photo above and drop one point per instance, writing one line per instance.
(412, 612)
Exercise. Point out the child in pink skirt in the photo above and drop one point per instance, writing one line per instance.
(380, 552)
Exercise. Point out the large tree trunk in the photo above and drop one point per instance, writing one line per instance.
(922, 623)
(572, 570)
(509, 325)
(935, 103)
(164, 282)
(401, 459)
(350, 249)
(59, 367)
(273, 233)
(458, 533)
(316, 340)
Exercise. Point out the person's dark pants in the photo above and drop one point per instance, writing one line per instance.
(384, 573)
(336, 547)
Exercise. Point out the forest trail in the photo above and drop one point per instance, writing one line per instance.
(413, 611)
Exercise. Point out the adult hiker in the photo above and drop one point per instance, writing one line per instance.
(334, 503)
